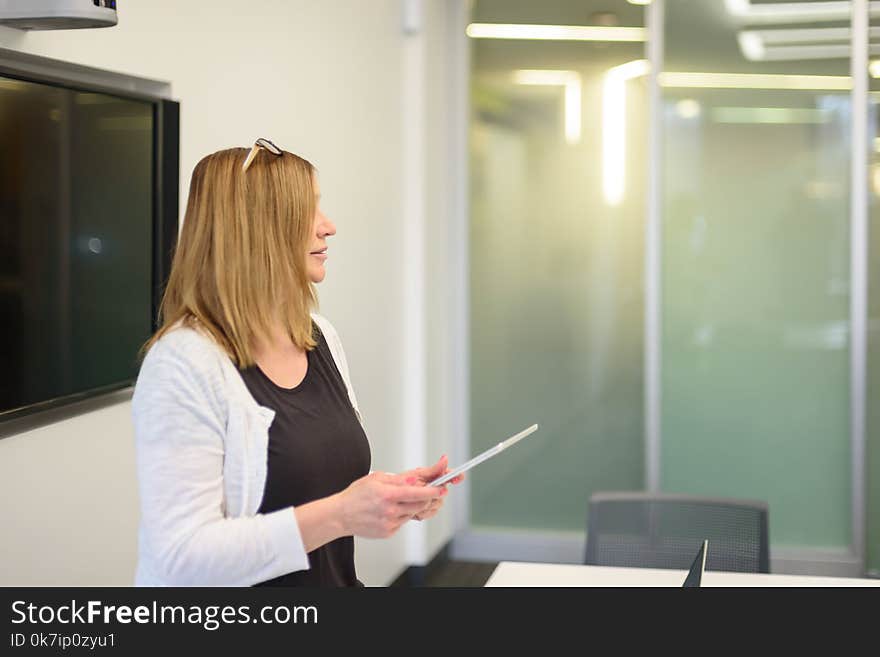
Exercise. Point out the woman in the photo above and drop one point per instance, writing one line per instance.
(253, 466)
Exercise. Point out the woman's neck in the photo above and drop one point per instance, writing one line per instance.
(278, 342)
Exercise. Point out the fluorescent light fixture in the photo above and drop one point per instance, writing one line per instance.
(543, 76)
(555, 32)
(614, 127)
(797, 53)
(639, 2)
(571, 83)
(755, 81)
(874, 68)
(794, 12)
(770, 115)
(808, 35)
(799, 44)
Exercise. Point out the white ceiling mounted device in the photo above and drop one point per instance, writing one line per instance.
(57, 14)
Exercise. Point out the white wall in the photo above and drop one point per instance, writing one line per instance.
(69, 502)
(322, 79)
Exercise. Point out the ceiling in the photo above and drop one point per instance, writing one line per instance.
(700, 35)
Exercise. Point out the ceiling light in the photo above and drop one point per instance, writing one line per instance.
(543, 77)
(555, 32)
(794, 12)
(755, 81)
(770, 115)
(800, 43)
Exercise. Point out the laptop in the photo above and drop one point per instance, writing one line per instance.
(695, 574)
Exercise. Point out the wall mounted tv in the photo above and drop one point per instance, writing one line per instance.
(88, 216)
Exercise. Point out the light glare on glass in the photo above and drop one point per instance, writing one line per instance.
(687, 108)
(571, 83)
(614, 127)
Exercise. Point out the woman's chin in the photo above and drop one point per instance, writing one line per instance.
(317, 274)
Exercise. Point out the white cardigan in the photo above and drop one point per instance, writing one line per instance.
(201, 443)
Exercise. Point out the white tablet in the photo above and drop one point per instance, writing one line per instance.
(489, 453)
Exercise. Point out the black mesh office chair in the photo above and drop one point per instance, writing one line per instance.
(650, 530)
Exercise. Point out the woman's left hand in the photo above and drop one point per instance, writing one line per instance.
(422, 476)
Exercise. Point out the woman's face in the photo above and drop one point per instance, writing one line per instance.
(322, 228)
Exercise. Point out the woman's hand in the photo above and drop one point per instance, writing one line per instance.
(423, 476)
(375, 506)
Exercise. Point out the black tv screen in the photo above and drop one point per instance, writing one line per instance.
(80, 251)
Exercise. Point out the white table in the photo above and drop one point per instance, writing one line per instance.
(516, 573)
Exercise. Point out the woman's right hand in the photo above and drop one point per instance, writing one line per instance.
(375, 506)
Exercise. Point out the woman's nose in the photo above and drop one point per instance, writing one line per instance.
(326, 227)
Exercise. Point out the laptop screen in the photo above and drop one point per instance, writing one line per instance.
(695, 574)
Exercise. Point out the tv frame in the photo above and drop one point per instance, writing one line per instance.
(166, 208)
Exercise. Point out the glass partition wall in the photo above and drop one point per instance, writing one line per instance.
(873, 323)
(746, 305)
(556, 263)
(755, 383)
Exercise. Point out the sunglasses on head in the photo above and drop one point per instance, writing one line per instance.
(265, 144)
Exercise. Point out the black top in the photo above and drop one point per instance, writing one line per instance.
(317, 447)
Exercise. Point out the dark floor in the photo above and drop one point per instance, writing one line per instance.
(459, 574)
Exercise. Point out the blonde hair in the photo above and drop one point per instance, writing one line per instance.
(240, 261)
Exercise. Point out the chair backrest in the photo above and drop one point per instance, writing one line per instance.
(660, 530)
